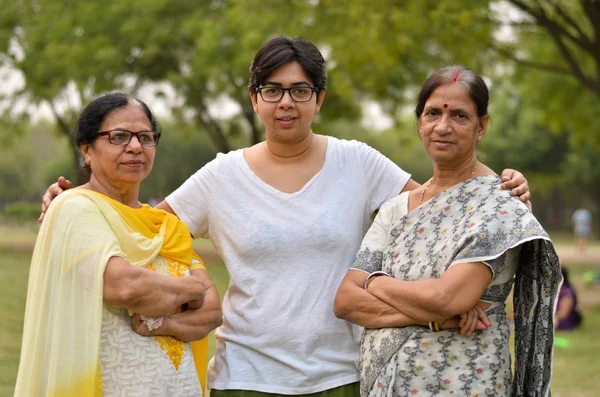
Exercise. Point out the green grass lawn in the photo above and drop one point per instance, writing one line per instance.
(14, 271)
(576, 368)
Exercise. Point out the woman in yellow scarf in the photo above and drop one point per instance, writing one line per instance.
(116, 293)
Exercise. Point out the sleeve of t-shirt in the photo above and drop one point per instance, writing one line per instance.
(190, 201)
(383, 178)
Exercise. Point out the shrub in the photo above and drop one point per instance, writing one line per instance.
(22, 210)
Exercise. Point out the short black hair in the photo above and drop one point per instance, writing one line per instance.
(282, 50)
(93, 115)
(469, 80)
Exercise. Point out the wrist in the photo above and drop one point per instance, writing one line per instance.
(371, 277)
(194, 288)
(167, 328)
(449, 323)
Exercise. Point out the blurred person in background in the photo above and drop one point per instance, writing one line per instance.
(568, 316)
(582, 227)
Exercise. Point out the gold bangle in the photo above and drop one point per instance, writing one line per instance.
(434, 326)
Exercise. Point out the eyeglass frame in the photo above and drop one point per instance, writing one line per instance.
(283, 90)
(108, 133)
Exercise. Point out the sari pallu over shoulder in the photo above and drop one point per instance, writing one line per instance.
(82, 230)
(475, 221)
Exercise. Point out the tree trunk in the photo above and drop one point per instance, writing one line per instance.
(215, 132)
(255, 136)
(81, 178)
(565, 32)
(213, 129)
(80, 175)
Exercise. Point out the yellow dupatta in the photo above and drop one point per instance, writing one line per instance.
(82, 230)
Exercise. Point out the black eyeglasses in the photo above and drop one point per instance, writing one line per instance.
(298, 94)
(123, 137)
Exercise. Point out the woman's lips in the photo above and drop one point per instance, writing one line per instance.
(442, 144)
(286, 122)
(134, 164)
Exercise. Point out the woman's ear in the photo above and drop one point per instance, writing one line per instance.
(482, 127)
(84, 148)
(254, 100)
(320, 99)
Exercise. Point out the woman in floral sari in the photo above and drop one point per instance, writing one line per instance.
(115, 291)
(439, 261)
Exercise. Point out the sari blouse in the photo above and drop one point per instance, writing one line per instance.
(474, 221)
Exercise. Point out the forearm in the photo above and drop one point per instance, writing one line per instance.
(420, 299)
(201, 317)
(158, 295)
(191, 324)
(163, 205)
(146, 292)
(410, 185)
(356, 305)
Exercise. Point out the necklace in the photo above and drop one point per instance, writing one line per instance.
(429, 183)
(312, 138)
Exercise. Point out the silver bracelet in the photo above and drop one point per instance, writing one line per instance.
(370, 276)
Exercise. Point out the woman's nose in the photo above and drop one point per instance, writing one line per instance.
(443, 125)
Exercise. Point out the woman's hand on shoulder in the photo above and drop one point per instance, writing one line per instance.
(54, 190)
(515, 181)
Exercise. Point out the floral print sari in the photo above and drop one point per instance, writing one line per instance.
(473, 221)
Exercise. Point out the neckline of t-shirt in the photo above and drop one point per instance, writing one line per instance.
(259, 182)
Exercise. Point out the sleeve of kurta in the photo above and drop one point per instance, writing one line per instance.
(383, 178)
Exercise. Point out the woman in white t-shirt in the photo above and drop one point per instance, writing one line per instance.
(286, 216)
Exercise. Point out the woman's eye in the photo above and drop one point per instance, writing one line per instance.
(119, 136)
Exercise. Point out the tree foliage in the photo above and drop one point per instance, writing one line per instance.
(544, 73)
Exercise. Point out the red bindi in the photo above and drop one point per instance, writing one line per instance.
(445, 105)
(455, 77)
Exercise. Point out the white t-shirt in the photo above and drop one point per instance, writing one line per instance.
(286, 255)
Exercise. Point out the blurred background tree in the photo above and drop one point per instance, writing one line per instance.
(190, 61)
